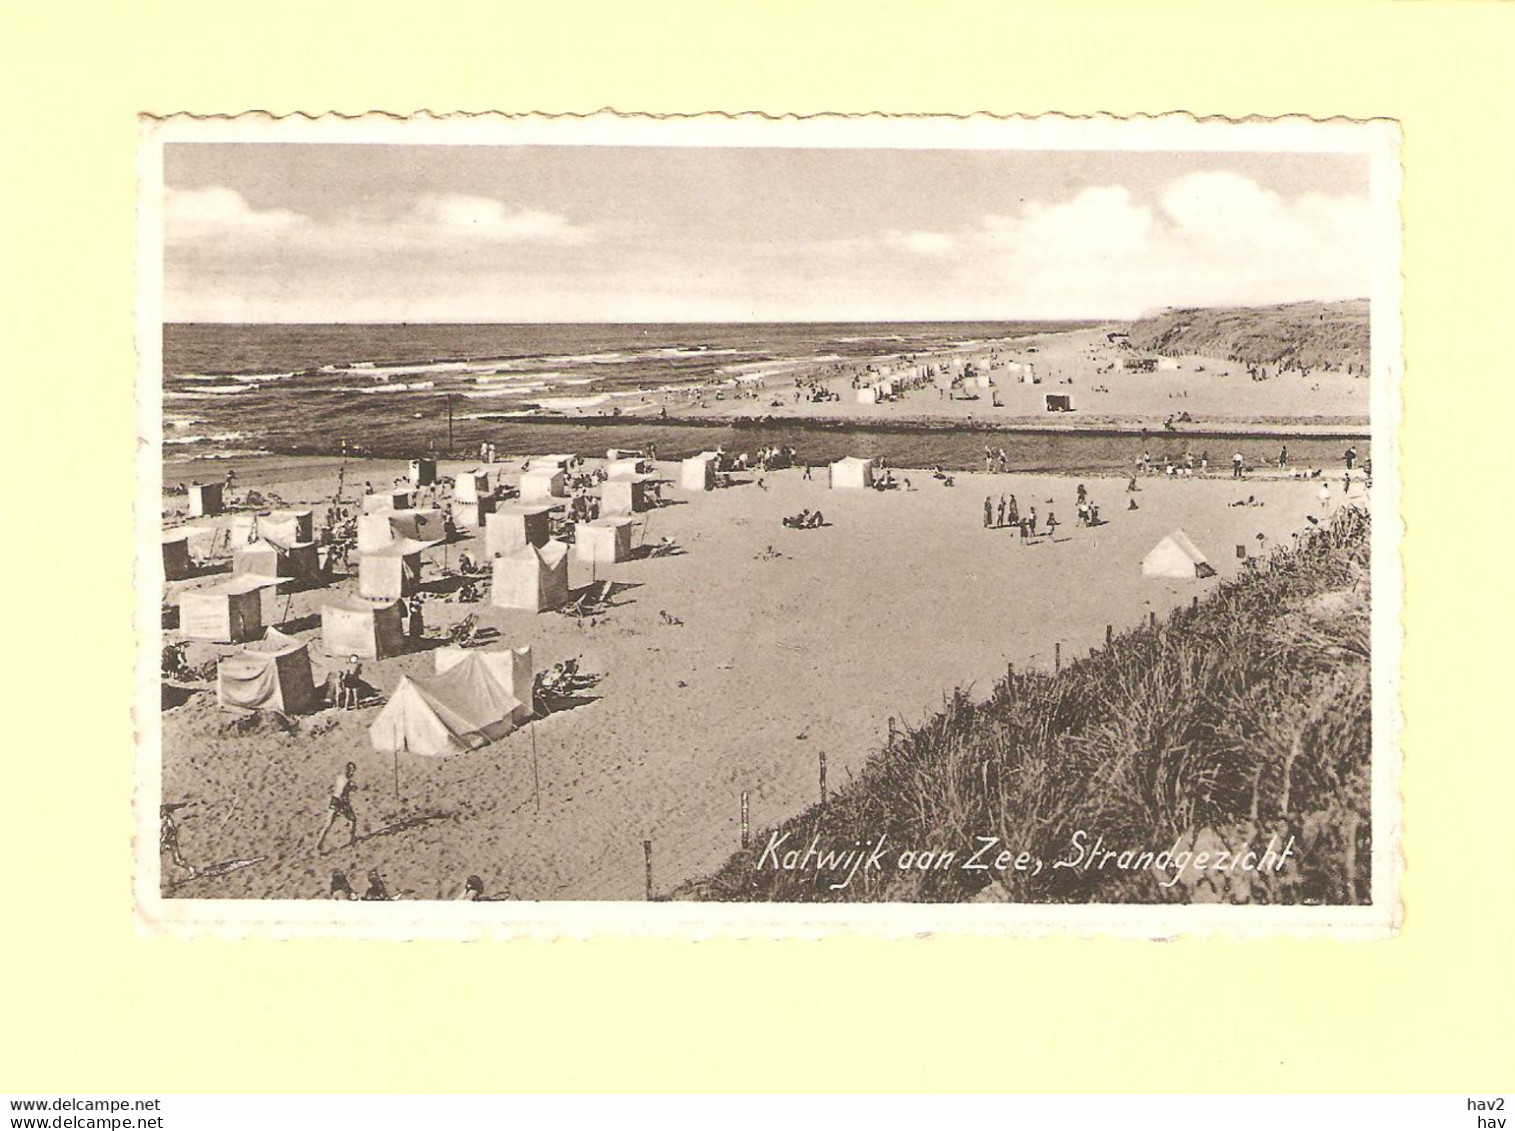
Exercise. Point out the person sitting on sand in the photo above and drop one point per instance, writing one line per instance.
(339, 804)
(377, 892)
(1131, 505)
(168, 838)
(473, 889)
(672, 620)
(341, 888)
(817, 520)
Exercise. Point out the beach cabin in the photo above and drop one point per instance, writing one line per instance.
(462, 708)
(471, 486)
(392, 572)
(531, 578)
(627, 468)
(271, 674)
(423, 472)
(1168, 365)
(623, 496)
(380, 502)
(176, 563)
(697, 473)
(423, 526)
(1059, 402)
(288, 527)
(205, 499)
(511, 666)
(544, 482)
(230, 613)
(351, 626)
(1176, 556)
(260, 557)
(267, 558)
(513, 526)
(851, 473)
(472, 515)
(604, 541)
(244, 529)
(868, 394)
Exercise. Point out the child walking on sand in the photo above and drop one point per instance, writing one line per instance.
(340, 805)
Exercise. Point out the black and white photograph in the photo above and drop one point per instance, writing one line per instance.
(568, 526)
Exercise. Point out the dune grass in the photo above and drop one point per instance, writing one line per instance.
(1244, 719)
(1308, 334)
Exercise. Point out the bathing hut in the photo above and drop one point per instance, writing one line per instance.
(351, 626)
(229, 613)
(423, 472)
(396, 499)
(271, 674)
(176, 563)
(1059, 402)
(851, 473)
(543, 482)
(472, 515)
(627, 468)
(512, 526)
(392, 572)
(623, 496)
(697, 473)
(532, 578)
(604, 541)
(205, 499)
(288, 527)
(470, 486)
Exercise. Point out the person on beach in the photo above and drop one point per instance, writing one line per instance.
(1052, 525)
(1283, 456)
(1000, 513)
(807, 474)
(988, 512)
(339, 804)
(350, 684)
(168, 838)
(1325, 495)
(1351, 456)
(1025, 528)
(341, 887)
(417, 618)
(473, 889)
(1236, 462)
(377, 892)
(1013, 512)
(1031, 520)
(1131, 486)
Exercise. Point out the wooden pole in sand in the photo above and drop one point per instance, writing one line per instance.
(536, 781)
(647, 856)
(1109, 634)
(823, 779)
(1057, 657)
(744, 818)
(1152, 618)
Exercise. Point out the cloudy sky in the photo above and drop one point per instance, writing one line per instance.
(366, 233)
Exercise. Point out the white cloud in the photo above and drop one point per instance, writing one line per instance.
(218, 214)
(484, 217)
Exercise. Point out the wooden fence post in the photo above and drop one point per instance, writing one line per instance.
(1057, 657)
(647, 854)
(744, 818)
(1109, 634)
(823, 779)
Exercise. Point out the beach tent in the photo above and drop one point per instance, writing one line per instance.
(229, 613)
(511, 666)
(472, 515)
(545, 463)
(288, 527)
(260, 557)
(463, 708)
(867, 395)
(205, 499)
(244, 529)
(396, 499)
(391, 572)
(852, 472)
(423, 472)
(606, 540)
(511, 527)
(1059, 402)
(1176, 556)
(300, 560)
(543, 483)
(176, 563)
(623, 496)
(626, 468)
(1167, 364)
(351, 626)
(697, 473)
(531, 577)
(470, 486)
(272, 674)
(375, 531)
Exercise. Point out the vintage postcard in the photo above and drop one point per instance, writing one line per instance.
(773, 528)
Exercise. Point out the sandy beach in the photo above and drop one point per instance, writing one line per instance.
(789, 644)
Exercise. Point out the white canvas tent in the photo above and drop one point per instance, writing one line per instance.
(851, 473)
(461, 709)
(396, 499)
(511, 666)
(176, 563)
(229, 613)
(1176, 556)
(605, 541)
(867, 395)
(623, 496)
(474, 514)
(391, 572)
(375, 531)
(543, 483)
(272, 674)
(470, 486)
(353, 627)
(511, 527)
(205, 499)
(531, 578)
(288, 527)
(697, 473)
(298, 560)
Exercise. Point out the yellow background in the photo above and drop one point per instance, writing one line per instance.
(90, 1006)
